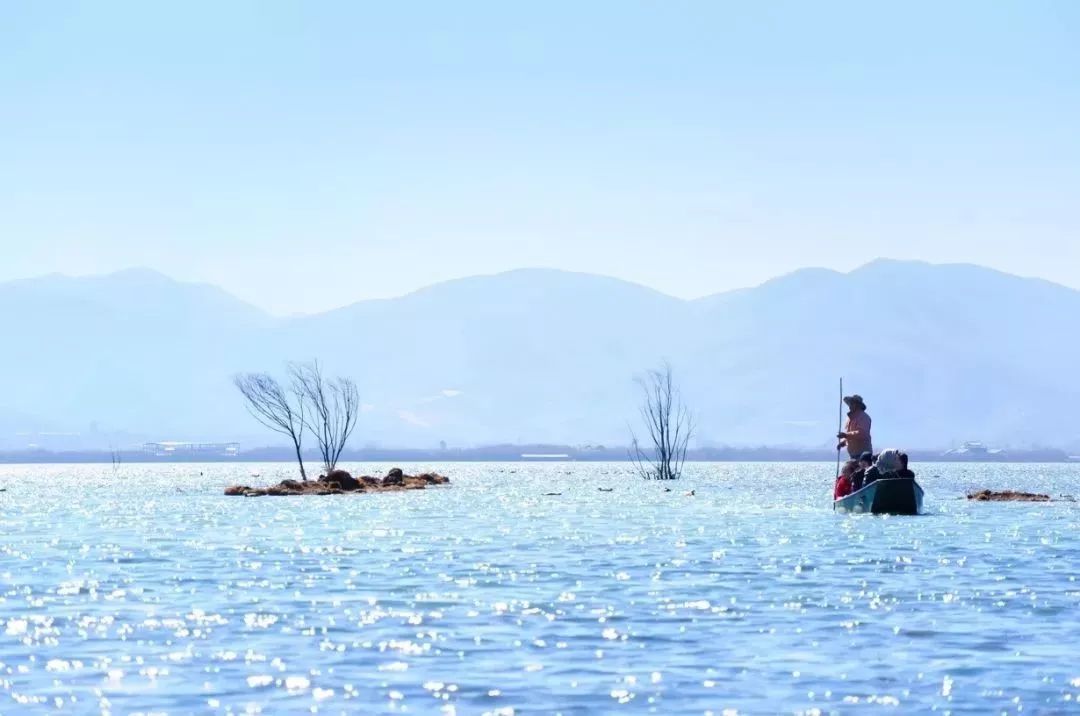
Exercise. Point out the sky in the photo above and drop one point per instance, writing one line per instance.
(304, 155)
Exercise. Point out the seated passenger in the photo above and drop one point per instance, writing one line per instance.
(843, 482)
(866, 461)
(886, 465)
(904, 472)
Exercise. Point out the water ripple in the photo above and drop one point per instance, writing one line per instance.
(149, 591)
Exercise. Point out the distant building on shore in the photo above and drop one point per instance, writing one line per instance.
(974, 450)
(172, 448)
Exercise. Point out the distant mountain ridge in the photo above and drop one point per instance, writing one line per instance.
(943, 354)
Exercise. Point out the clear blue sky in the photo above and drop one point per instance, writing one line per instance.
(306, 154)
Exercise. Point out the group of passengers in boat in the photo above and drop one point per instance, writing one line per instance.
(864, 467)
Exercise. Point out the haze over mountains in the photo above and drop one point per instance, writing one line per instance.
(942, 354)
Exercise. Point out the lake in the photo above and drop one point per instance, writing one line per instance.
(144, 589)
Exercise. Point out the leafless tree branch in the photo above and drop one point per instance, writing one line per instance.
(333, 407)
(275, 408)
(668, 426)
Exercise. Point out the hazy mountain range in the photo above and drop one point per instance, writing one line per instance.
(942, 354)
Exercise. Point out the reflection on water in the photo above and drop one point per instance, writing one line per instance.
(148, 590)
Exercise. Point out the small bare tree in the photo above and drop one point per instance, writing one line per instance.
(277, 409)
(669, 425)
(333, 406)
(116, 460)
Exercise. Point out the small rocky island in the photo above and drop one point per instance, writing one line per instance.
(1007, 496)
(339, 482)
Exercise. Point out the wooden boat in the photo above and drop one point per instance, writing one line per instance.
(887, 496)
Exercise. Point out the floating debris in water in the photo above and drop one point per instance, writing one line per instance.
(340, 481)
(1007, 496)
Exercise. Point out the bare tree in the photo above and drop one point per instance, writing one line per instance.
(116, 460)
(277, 409)
(333, 406)
(669, 426)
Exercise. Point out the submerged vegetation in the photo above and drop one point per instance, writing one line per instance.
(339, 481)
(1007, 496)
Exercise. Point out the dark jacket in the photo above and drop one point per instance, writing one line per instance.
(857, 478)
(906, 474)
(872, 475)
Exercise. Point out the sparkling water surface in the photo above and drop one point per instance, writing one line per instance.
(144, 589)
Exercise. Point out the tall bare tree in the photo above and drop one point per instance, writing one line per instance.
(116, 460)
(276, 408)
(669, 426)
(333, 406)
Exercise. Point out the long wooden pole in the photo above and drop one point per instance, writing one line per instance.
(839, 428)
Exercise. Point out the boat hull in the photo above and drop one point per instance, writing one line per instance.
(889, 496)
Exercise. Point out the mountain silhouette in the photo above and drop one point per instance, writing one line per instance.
(942, 353)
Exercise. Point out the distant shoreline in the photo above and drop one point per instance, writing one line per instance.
(510, 453)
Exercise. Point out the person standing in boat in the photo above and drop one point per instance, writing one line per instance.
(856, 434)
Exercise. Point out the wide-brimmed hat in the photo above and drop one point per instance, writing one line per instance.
(853, 400)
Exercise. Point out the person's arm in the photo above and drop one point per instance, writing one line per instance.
(859, 427)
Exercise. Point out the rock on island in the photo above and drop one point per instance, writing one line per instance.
(339, 482)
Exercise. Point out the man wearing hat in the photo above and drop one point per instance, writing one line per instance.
(856, 435)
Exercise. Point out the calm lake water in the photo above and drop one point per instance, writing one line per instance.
(147, 590)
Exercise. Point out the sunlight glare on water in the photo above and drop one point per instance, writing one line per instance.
(146, 589)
